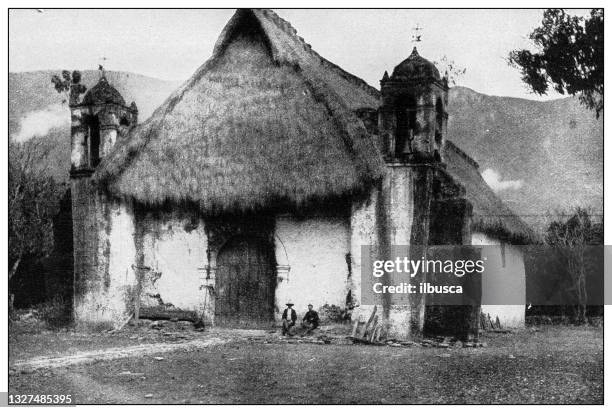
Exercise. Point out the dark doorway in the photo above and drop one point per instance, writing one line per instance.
(245, 283)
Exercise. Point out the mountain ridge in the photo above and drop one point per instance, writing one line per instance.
(550, 152)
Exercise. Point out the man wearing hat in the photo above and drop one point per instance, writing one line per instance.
(311, 320)
(289, 318)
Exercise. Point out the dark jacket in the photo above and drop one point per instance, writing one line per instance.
(293, 315)
(312, 317)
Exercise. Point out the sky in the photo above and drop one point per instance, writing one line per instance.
(172, 44)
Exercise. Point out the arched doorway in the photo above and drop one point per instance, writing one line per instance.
(245, 283)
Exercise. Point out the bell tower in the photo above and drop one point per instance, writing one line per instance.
(97, 122)
(412, 126)
(413, 115)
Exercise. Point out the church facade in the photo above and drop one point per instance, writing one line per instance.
(260, 179)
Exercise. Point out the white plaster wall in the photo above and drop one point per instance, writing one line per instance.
(178, 255)
(109, 301)
(316, 249)
(364, 231)
(78, 156)
(399, 188)
(503, 283)
(399, 205)
(121, 260)
(108, 138)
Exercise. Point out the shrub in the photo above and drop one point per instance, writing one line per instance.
(55, 312)
(332, 313)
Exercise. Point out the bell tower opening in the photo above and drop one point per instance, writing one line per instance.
(439, 134)
(405, 115)
(94, 141)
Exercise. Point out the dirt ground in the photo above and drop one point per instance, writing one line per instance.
(548, 365)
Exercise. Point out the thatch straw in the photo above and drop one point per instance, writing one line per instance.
(266, 120)
(490, 215)
(258, 123)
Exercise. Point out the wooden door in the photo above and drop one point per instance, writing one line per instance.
(245, 283)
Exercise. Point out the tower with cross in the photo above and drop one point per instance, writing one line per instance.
(412, 127)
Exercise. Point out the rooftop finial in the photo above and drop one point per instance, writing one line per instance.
(416, 36)
(101, 67)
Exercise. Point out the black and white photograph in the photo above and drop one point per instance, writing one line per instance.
(304, 206)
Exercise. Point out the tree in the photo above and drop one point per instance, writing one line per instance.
(451, 70)
(33, 195)
(32, 203)
(69, 85)
(570, 238)
(570, 57)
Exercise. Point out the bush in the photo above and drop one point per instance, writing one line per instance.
(55, 312)
(332, 313)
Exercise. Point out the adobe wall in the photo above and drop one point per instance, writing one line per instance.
(365, 230)
(104, 252)
(121, 254)
(316, 250)
(171, 263)
(503, 281)
(405, 211)
(396, 214)
(404, 205)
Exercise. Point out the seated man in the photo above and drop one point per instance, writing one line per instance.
(311, 320)
(289, 319)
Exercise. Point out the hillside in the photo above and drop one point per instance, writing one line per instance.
(554, 148)
(32, 91)
(36, 109)
(539, 156)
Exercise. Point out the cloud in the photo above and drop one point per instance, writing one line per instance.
(40, 122)
(493, 179)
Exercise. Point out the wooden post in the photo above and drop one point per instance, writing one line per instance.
(355, 325)
(137, 302)
(138, 270)
(377, 335)
(374, 327)
(365, 329)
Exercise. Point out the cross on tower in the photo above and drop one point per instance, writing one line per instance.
(101, 66)
(416, 36)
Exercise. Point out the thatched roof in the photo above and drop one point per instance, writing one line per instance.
(264, 120)
(267, 120)
(491, 215)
